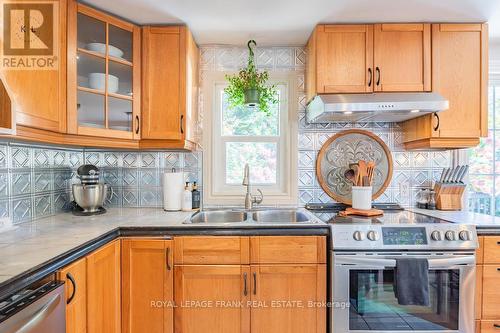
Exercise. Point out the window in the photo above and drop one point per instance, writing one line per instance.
(242, 135)
(484, 161)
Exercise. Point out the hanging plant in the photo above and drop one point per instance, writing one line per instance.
(249, 87)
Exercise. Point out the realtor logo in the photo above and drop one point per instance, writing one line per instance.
(30, 31)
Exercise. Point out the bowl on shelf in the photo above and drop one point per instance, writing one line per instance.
(101, 48)
(98, 81)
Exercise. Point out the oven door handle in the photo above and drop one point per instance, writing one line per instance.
(391, 263)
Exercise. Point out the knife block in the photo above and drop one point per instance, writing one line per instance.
(449, 196)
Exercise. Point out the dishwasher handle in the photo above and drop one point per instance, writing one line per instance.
(391, 263)
(40, 315)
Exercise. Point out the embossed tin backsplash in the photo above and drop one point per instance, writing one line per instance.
(35, 181)
(412, 170)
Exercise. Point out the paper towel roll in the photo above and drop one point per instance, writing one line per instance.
(173, 185)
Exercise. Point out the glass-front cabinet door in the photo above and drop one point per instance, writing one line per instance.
(103, 75)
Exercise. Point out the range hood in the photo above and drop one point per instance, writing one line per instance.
(375, 107)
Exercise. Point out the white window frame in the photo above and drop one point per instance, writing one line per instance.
(215, 190)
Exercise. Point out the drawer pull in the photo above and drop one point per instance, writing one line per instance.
(73, 282)
(255, 283)
(496, 325)
(245, 290)
(167, 254)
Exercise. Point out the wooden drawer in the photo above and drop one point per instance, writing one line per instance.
(288, 249)
(491, 250)
(480, 250)
(211, 250)
(491, 292)
(488, 326)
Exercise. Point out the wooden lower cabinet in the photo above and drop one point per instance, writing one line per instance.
(491, 292)
(489, 326)
(288, 298)
(199, 293)
(147, 286)
(75, 278)
(104, 290)
(134, 285)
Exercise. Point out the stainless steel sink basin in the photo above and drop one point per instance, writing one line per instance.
(280, 216)
(218, 216)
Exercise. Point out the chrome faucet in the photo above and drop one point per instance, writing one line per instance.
(250, 199)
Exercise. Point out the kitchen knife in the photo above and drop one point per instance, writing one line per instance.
(463, 173)
(442, 175)
(459, 173)
(447, 175)
(453, 174)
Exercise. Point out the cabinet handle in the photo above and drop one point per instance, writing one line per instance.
(496, 325)
(370, 77)
(168, 258)
(437, 125)
(137, 125)
(378, 75)
(254, 283)
(182, 120)
(245, 290)
(73, 282)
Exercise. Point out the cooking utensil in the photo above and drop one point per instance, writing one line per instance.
(350, 174)
(344, 149)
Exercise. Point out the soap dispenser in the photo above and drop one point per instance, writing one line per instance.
(187, 199)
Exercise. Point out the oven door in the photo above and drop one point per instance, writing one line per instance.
(364, 301)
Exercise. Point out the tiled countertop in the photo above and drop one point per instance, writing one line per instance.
(31, 246)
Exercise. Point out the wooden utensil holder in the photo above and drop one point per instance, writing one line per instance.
(449, 196)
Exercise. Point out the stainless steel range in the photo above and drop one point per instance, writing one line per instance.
(364, 257)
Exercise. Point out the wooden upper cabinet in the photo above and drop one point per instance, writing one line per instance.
(340, 59)
(367, 58)
(147, 276)
(170, 87)
(7, 111)
(40, 94)
(402, 57)
(104, 290)
(75, 279)
(459, 74)
(103, 74)
(225, 286)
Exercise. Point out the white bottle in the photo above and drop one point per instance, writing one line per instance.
(187, 198)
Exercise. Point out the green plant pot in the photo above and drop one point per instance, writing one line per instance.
(252, 97)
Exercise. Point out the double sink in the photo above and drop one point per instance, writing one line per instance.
(259, 216)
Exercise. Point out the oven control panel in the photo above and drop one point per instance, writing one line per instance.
(432, 236)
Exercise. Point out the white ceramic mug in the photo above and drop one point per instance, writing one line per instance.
(362, 197)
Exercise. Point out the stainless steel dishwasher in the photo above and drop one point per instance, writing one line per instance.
(36, 309)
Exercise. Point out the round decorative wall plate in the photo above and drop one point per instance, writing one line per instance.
(348, 147)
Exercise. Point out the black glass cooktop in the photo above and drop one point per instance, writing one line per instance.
(393, 214)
